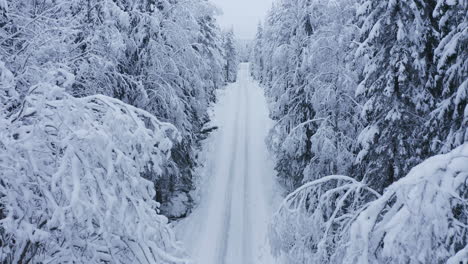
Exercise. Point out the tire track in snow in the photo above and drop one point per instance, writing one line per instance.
(224, 235)
(247, 239)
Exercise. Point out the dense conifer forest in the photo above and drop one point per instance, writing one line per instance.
(139, 131)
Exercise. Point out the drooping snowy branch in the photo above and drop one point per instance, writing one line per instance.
(312, 223)
(422, 218)
(71, 185)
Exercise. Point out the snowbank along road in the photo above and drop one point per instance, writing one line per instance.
(230, 224)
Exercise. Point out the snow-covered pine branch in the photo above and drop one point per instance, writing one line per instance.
(422, 218)
(71, 189)
(312, 223)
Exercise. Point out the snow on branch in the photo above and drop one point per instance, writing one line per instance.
(313, 221)
(71, 189)
(305, 123)
(422, 218)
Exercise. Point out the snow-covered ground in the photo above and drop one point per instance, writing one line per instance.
(238, 192)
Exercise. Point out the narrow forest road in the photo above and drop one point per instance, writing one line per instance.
(230, 224)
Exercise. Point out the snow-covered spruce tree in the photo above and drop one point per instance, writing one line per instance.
(257, 56)
(230, 53)
(421, 218)
(87, 36)
(71, 185)
(400, 86)
(114, 38)
(170, 53)
(162, 56)
(330, 86)
(32, 38)
(210, 43)
(448, 125)
(394, 40)
(312, 224)
(181, 73)
(244, 50)
(310, 88)
(284, 38)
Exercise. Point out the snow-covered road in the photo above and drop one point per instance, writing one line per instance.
(237, 198)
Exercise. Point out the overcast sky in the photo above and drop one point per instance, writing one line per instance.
(243, 15)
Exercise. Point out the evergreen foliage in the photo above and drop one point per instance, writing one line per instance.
(369, 89)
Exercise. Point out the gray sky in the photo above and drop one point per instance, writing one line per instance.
(243, 15)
